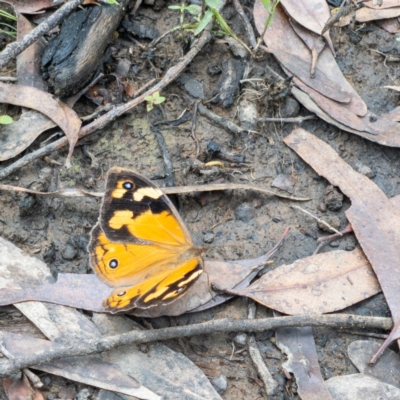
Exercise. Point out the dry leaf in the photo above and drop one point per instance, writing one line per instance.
(295, 57)
(313, 41)
(385, 4)
(374, 218)
(45, 103)
(368, 14)
(317, 284)
(30, 6)
(178, 374)
(338, 111)
(299, 346)
(390, 25)
(21, 389)
(88, 369)
(387, 129)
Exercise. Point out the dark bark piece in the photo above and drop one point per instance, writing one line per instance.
(74, 55)
(140, 30)
(228, 84)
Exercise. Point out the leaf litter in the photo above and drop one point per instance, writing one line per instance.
(345, 112)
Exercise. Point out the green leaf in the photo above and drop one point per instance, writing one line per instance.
(149, 99)
(213, 3)
(174, 7)
(149, 107)
(204, 22)
(194, 9)
(6, 120)
(113, 2)
(267, 5)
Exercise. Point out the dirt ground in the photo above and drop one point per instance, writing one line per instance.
(233, 225)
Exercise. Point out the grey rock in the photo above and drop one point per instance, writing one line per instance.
(245, 212)
(208, 237)
(220, 383)
(84, 394)
(365, 170)
(69, 252)
(290, 108)
(240, 339)
(194, 88)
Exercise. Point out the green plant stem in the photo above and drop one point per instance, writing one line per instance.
(227, 29)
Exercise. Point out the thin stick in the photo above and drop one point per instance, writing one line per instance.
(249, 28)
(12, 367)
(270, 384)
(15, 48)
(225, 123)
(74, 192)
(117, 111)
(194, 137)
(296, 120)
(319, 220)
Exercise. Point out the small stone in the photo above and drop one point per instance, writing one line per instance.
(290, 108)
(334, 244)
(220, 383)
(365, 170)
(194, 88)
(84, 394)
(123, 67)
(332, 220)
(208, 237)
(321, 207)
(214, 69)
(69, 253)
(245, 212)
(240, 339)
(333, 198)
(26, 204)
(350, 247)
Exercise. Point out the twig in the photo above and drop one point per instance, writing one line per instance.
(12, 367)
(117, 111)
(8, 79)
(343, 10)
(270, 384)
(367, 334)
(194, 118)
(249, 29)
(15, 48)
(225, 123)
(296, 120)
(167, 159)
(74, 192)
(321, 221)
(37, 383)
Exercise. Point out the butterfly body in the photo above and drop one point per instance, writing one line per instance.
(141, 245)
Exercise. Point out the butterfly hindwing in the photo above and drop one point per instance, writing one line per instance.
(140, 245)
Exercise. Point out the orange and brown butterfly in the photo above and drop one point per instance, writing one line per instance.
(140, 245)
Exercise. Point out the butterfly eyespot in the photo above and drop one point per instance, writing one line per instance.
(127, 185)
(113, 264)
(121, 294)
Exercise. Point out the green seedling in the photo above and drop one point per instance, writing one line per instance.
(153, 100)
(112, 2)
(5, 120)
(192, 9)
(11, 17)
(270, 6)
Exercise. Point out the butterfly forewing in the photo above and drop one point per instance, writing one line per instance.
(141, 245)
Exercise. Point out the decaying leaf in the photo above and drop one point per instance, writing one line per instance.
(299, 346)
(45, 103)
(30, 6)
(89, 369)
(88, 292)
(295, 57)
(317, 284)
(381, 4)
(161, 370)
(373, 217)
(21, 389)
(365, 14)
(386, 128)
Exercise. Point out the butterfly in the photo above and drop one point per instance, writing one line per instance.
(140, 245)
